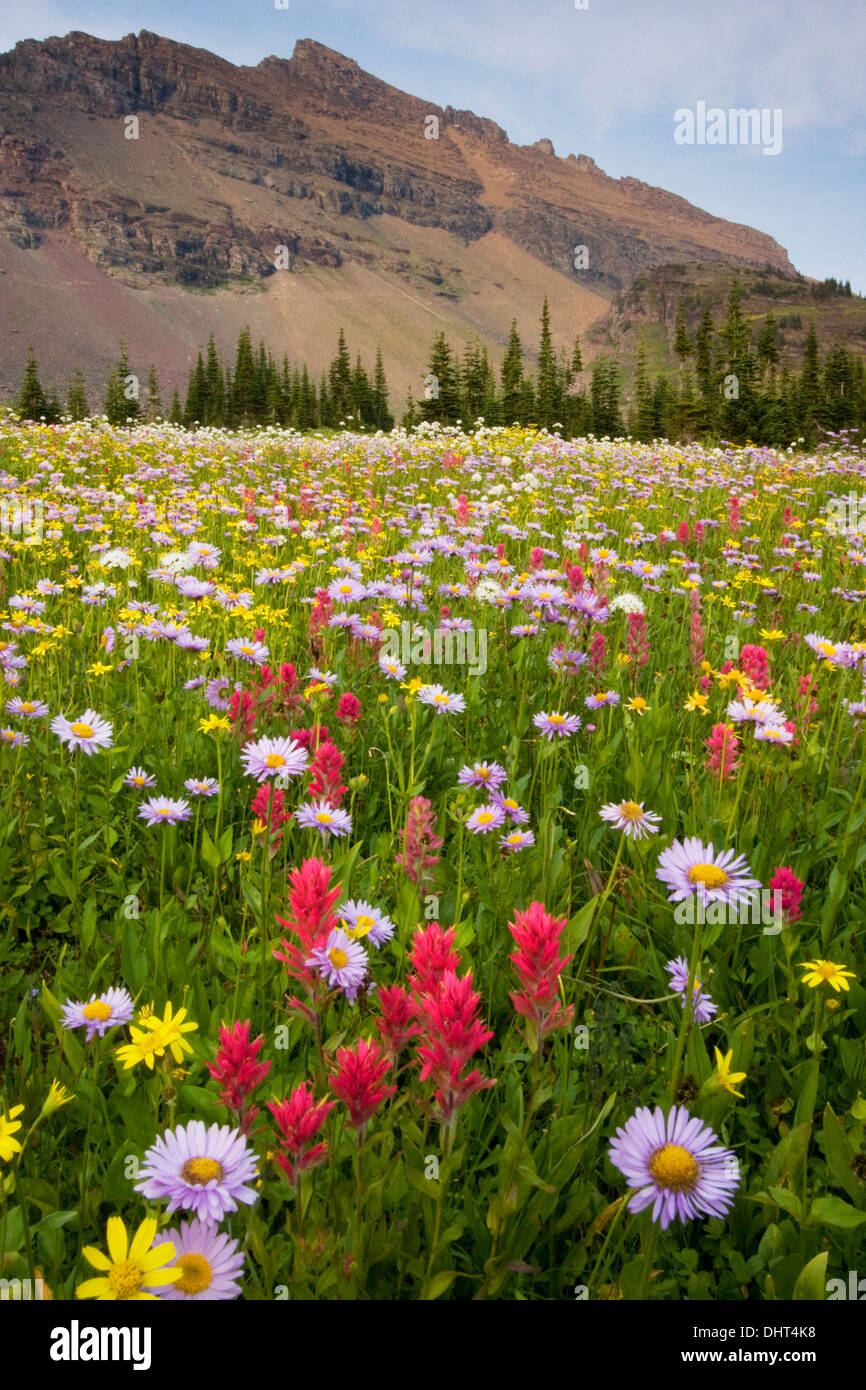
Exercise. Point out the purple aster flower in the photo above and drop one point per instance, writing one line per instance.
(202, 786)
(517, 839)
(487, 817)
(198, 1169)
(604, 697)
(108, 1010)
(490, 775)
(441, 700)
(773, 733)
(213, 692)
(89, 733)
(361, 920)
(13, 738)
(246, 649)
(693, 867)
(556, 725)
(703, 1007)
(512, 808)
(26, 709)
(321, 816)
(137, 778)
(342, 962)
(274, 757)
(162, 810)
(393, 669)
(209, 1259)
(632, 818)
(677, 1163)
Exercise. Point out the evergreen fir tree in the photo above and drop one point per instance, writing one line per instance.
(76, 397)
(548, 391)
(382, 417)
(154, 399)
(512, 379)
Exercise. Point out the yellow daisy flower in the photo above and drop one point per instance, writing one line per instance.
(127, 1266)
(8, 1126)
(819, 972)
(724, 1076)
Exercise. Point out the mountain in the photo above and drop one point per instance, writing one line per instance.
(397, 217)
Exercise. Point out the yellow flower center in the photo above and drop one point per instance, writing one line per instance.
(556, 719)
(674, 1167)
(338, 958)
(710, 875)
(483, 773)
(98, 1010)
(826, 969)
(515, 838)
(247, 649)
(602, 696)
(509, 803)
(81, 730)
(124, 1279)
(323, 818)
(27, 708)
(440, 699)
(197, 1274)
(485, 817)
(274, 760)
(629, 810)
(200, 1171)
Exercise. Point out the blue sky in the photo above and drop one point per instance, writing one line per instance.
(603, 81)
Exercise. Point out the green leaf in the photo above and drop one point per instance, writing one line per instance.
(832, 1211)
(808, 1091)
(812, 1279)
(88, 923)
(576, 931)
(840, 1152)
(788, 1201)
(224, 846)
(209, 852)
(439, 1283)
(789, 1154)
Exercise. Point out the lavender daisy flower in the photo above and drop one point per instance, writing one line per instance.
(136, 777)
(556, 725)
(488, 817)
(393, 669)
(517, 839)
(27, 709)
(632, 818)
(321, 816)
(773, 733)
(213, 692)
(360, 919)
(604, 697)
(481, 775)
(198, 1169)
(13, 738)
(342, 962)
(693, 867)
(162, 810)
(108, 1010)
(441, 700)
(703, 1007)
(677, 1163)
(202, 786)
(89, 733)
(273, 757)
(245, 649)
(210, 1262)
(512, 808)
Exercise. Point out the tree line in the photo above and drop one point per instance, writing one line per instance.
(731, 383)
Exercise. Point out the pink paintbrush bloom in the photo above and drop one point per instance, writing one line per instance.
(786, 882)
(395, 1023)
(432, 955)
(237, 1069)
(538, 966)
(358, 1080)
(299, 1119)
(420, 842)
(451, 1033)
(724, 749)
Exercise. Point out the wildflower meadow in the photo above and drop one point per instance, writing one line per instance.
(432, 866)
